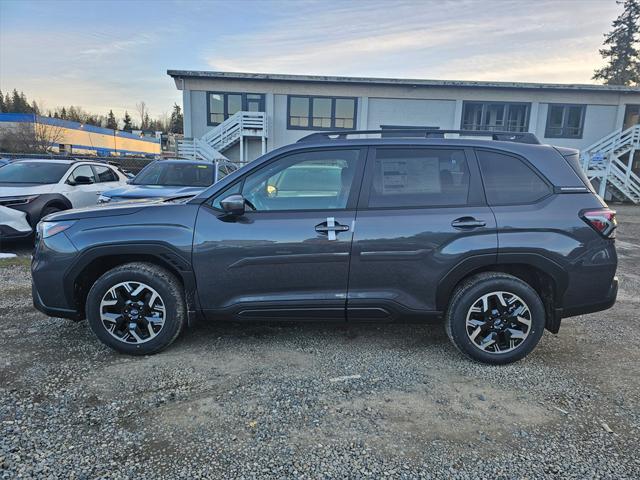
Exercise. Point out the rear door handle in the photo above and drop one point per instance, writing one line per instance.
(467, 223)
(330, 227)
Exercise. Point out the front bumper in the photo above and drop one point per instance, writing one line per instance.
(13, 224)
(53, 311)
(52, 257)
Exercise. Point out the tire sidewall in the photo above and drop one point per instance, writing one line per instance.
(469, 296)
(172, 321)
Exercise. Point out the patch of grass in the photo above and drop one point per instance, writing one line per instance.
(15, 262)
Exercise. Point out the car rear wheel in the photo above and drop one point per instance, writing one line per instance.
(136, 308)
(495, 318)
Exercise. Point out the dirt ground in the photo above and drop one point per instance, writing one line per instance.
(320, 401)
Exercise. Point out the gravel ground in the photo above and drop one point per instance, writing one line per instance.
(314, 401)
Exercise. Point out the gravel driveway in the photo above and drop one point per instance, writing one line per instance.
(316, 401)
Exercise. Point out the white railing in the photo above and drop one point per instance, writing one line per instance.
(602, 161)
(232, 131)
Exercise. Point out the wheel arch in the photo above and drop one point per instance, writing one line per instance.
(93, 263)
(545, 276)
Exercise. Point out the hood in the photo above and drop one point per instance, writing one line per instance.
(97, 211)
(18, 189)
(151, 191)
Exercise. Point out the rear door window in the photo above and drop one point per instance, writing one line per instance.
(105, 174)
(419, 177)
(509, 180)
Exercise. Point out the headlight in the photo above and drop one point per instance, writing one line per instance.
(13, 201)
(104, 199)
(49, 229)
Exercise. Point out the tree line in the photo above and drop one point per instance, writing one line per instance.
(17, 102)
(622, 48)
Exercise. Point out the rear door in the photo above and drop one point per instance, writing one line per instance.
(288, 255)
(421, 213)
(106, 179)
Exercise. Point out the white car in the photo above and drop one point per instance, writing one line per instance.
(31, 189)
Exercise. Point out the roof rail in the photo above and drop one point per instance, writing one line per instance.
(413, 132)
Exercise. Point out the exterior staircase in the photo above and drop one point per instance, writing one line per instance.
(234, 130)
(609, 163)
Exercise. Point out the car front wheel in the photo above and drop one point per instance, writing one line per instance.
(495, 318)
(136, 308)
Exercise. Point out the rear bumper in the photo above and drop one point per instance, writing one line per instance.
(602, 304)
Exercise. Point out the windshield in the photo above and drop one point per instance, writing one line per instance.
(33, 172)
(175, 174)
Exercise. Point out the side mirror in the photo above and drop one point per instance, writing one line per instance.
(129, 181)
(233, 204)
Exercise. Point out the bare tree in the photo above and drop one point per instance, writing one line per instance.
(34, 138)
(143, 112)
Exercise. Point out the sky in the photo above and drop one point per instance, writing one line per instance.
(110, 55)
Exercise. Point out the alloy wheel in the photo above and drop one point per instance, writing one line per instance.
(498, 322)
(132, 312)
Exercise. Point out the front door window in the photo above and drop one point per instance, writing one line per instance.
(303, 181)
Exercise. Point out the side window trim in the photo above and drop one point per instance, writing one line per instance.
(526, 163)
(475, 195)
(353, 194)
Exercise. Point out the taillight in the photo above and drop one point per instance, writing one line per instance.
(602, 220)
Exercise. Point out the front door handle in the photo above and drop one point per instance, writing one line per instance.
(467, 223)
(330, 227)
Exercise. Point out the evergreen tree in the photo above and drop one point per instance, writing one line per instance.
(112, 123)
(3, 108)
(146, 122)
(16, 102)
(63, 114)
(26, 108)
(621, 48)
(7, 103)
(127, 122)
(176, 120)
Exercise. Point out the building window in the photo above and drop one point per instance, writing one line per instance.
(495, 116)
(565, 121)
(221, 105)
(321, 113)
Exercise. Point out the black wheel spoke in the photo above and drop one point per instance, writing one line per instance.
(132, 312)
(498, 322)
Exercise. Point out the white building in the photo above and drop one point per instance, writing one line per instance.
(240, 115)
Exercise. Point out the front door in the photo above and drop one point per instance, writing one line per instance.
(631, 116)
(288, 255)
(421, 213)
(77, 190)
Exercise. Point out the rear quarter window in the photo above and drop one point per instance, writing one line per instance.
(509, 180)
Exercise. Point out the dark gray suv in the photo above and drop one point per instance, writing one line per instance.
(497, 235)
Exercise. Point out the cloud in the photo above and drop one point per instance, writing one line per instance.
(119, 46)
(500, 40)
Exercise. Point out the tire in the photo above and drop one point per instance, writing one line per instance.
(49, 210)
(503, 330)
(113, 303)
